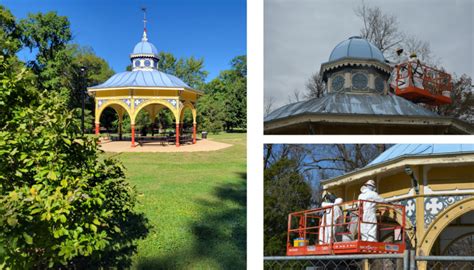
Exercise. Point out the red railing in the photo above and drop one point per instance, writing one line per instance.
(309, 232)
(421, 83)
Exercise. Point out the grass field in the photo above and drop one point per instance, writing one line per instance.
(196, 203)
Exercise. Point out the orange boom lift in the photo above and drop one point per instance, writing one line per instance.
(420, 83)
(307, 230)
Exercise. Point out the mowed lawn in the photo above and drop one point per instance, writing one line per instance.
(196, 203)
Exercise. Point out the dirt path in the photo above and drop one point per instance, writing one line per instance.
(201, 145)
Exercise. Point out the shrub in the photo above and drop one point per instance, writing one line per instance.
(61, 204)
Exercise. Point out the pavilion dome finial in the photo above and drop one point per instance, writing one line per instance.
(145, 54)
(144, 38)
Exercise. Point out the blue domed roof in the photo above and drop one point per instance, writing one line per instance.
(145, 47)
(406, 150)
(356, 47)
(143, 78)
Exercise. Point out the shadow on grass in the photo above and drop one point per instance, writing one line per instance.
(236, 131)
(219, 236)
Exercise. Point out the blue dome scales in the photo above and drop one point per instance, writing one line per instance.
(356, 47)
(143, 78)
(145, 47)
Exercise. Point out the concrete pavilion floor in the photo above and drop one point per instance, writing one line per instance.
(150, 146)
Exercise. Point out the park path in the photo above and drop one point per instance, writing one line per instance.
(200, 146)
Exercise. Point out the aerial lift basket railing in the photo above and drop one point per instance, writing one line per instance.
(420, 83)
(310, 234)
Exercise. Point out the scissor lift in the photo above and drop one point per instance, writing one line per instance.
(420, 83)
(307, 230)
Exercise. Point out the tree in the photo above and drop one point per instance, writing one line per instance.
(315, 87)
(462, 97)
(231, 85)
(269, 104)
(285, 191)
(9, 33)
(211, 113)
(190, 70)
(378, 27)
(97, 71)
(49, 33)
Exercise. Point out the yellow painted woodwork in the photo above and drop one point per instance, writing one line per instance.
(451, 178)
(151, 100)
(394, 185)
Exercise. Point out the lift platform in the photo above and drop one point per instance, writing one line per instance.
(420, 83)
(310, 234)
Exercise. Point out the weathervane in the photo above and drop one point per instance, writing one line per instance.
(144, 24)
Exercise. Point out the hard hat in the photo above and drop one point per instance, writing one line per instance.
(413, 54)
(370, 183)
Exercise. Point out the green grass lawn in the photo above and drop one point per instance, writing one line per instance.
(196, 203)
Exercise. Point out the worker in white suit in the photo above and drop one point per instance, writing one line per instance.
(417, 71)
(368, 226)
(399, 68)
(327, 230)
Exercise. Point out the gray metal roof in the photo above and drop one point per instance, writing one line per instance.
(352, 103)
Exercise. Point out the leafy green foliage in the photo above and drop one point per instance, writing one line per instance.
(9, 33)
(286, 191)
(61, 206)
(48, 32)
(97, 71)
(226, 104)
(211, 113)
(190, 70)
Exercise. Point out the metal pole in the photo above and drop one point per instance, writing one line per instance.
(412, 260)
(406, 260)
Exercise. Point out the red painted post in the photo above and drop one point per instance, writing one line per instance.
(194, 133)
(177, 134)
(133, 136)
(97, 128)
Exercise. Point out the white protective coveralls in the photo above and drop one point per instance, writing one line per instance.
(368, 231)
(417, 72)
(327, 232)
(403, 81)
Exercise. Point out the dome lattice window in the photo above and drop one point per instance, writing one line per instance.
(137, 63)
(147, 63)
(359, 81)
(379, 84)
(337, 83)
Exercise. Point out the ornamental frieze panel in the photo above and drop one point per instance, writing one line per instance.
(437, 204)
(127, 101)
(173, 102)
(410, 209)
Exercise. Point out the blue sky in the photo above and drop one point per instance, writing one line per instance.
(211, 29)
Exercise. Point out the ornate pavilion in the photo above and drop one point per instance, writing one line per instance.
(434, 182)
(145, 88)
(359, 101)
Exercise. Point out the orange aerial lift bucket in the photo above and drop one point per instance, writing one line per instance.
(422, 84)
(309, 233)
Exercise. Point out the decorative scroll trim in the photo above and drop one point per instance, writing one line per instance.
(437, 204)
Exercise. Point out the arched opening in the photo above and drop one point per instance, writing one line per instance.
(188, 122)
(457, 238)
(111, 118)
(155, 123)
(449, 225)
